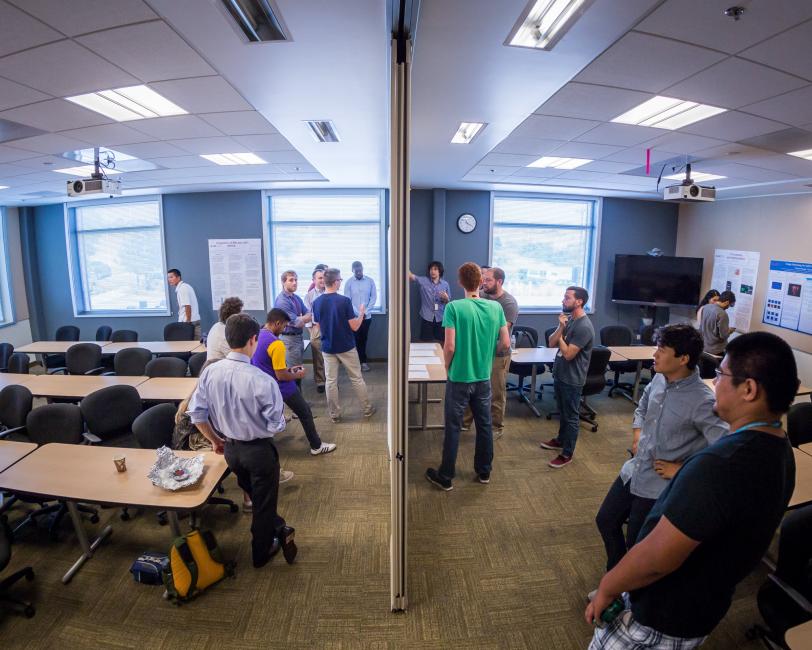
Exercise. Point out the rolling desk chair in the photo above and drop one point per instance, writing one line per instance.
(618, 335)
(6, 350)
(166, 367)
(64, 333)
(81, 359)
(799, 424)
(6, 539)
(109, 414)
(526, 337)
(104, 332)
(124, 336)
(15, 405)
(196, 363)
(18, 363)
(131, 362)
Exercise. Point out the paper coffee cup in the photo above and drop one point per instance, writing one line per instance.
(120, 463)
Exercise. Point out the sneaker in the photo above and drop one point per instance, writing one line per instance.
(285, 475)
(335, 418)
(484, 477)
(326, 448)
(319, 389)
(497, 433)
(560, 461)
(433, 476)
(365, 367)
(289, 549)
(552, 443)
(372, 411)
(247, 506)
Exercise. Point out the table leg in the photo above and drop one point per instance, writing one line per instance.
(174, 524)
(636, 389)
(424, 405)
(87, 547)
(531, 401)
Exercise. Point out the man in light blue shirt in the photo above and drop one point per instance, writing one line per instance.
(238, 408)
(360, 289)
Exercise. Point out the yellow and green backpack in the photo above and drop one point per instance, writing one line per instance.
(195, 564)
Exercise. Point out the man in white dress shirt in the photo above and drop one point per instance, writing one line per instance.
(187, 301)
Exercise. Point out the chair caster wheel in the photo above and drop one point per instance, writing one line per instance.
(233, 508)
(549, 417)
(594, 429)
(29, 611)
(94, 519)
(124, 516)
(29, 576)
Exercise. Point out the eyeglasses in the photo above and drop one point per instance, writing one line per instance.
(719, 374)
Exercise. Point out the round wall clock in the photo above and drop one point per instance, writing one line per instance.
(466, 223)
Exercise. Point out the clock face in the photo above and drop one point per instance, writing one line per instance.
(466, 223)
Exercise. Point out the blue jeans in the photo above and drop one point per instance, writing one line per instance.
(458, 395)
(568, 401)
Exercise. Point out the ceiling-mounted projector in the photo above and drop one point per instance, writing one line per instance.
(94, 186)
(688, 190)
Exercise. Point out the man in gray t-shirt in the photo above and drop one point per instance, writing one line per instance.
(493, 278)
(574, 339)
(715, 324)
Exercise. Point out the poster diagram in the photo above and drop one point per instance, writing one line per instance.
(235, 266)
(736, 271)
(789, 296)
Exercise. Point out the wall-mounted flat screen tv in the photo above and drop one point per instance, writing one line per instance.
(658, 281)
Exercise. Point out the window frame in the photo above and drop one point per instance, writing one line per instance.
(594, 245)
(74, 267)
(8, 315)
(273, 273)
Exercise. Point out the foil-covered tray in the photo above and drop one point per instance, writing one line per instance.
(171, 472)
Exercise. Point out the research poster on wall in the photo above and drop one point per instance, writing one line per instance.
(737, 271)
(789, 296)
(235, 266)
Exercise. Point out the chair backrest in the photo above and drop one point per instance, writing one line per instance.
(708, 363)
(799, 424)
(6, 539)
(124, 336)
(616, 335)
(547, 334)
(15, 405)
(196, 362)
(154, 427)
(6, 350)
(179, 332)
(83, 357)
(111, 411)
(596, 371)
(166, 367)
(55, 423)
(526, 337)
(132, 361)
(647, 335)
(67, 333)
(104, 333)
(18, 363)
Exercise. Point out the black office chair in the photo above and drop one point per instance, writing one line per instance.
(109, 414)
(6, 539)
(799, 424)
(6, 350)
(81, 359)
(595, 383)
(166, 367)
(612, 335)
(179, 332)
(131, 362)
(196, 363)
(708, 363)
(64, 333)
(15, 405)
(104, 332)
(547, 334)
(124, 336)
(526, 337)
(647, 335)
(18, 363)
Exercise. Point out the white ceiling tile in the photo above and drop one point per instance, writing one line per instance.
(554, 128)
(591, 102)
(63, 68)
(647, 63)
(587, 176)
(108, 135)
(13, 94)
(740, 172)
(729, 149)
(147, 150)
(43, 164)
(790, 51)
(175, 127)
(54, 115)
(11, 130)
(733, 126)
(291, 156)
(209, 145)
(10, 171)
(537, 172)
(51, 143)
(19, 31)
(240, 123)
(780, 163)
(637, 156)
(791, 108)
(184, 162)
(306, 176)
(518, 180)
(202, 94)
(257, 143)
(733, 83)
(683, 142)
(150, 51)
(492, 170)
(626, 135)
(607, 166)
(527, 146)
(297, 169)
(87, 15)
(507, 159)
(585, 150)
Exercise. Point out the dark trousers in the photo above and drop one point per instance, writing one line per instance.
(301, 408)
(361, 335)
(618, 506)
(431, 330)
(256, 466)
(568, 401)
(458, 396)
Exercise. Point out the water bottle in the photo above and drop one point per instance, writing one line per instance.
(513, 342)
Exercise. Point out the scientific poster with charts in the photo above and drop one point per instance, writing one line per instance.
(235, 266)
(737, 271)
(789, 296)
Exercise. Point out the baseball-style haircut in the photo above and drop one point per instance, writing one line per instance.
(229, 307)
(728, 296)
(277, 315)
(435, 264)
(330, 276)
(683, 339)
(768, 359)
(287, 274)
(239, 330)
(470, 276)
(175, 272)
(498, 274)
(580, 294)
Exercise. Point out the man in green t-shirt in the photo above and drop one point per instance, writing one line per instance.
(472, 325)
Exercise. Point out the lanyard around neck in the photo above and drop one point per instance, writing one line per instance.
(775, 424)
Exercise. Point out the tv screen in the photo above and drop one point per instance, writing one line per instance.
(660, 281)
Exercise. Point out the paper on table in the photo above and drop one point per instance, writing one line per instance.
(419, 374)
(431, 361)
(415, 367)
(422, 346)
(421, 352)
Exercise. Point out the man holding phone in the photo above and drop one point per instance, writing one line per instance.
(270, 358)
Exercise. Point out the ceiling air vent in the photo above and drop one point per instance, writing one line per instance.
(258, 19)
(323, 130)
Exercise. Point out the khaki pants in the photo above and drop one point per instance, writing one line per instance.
(349, 360)
(499, 371)
(318, 359)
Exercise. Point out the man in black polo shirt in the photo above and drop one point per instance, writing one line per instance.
(715, 519)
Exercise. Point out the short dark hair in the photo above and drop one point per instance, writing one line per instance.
(239, 330)
(439, 265)
(277, 315)
(287, 274)
(229, 307)
(683, 339)
(356, 264)
(498, 274)
(319, 267)
(580, 294)
(175, 271)
(470, 276)
(728, 296)
(767, 359)
(330, 276)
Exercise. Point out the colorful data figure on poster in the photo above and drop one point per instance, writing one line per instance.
(736, 271)
(789, 296)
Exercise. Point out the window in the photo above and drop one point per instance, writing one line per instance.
(544, 245)
(117, 259)
(326, 228)
(6, 312)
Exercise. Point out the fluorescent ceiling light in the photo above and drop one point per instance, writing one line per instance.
(89, 155)
(235, 159)
(467, 132)
(699, 177)
(667, 113)
(323, 130)
(84, 170)
(559, 163)
(257, 19)
(3, 187)
(806, 153)
(544, 22)
(130, 103)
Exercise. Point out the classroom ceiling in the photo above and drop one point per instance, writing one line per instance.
(245, 97)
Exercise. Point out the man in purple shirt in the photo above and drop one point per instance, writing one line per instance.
(298, 314)
(434, 294)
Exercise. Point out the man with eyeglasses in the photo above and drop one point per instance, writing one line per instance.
(334, 315)
(715, 519)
